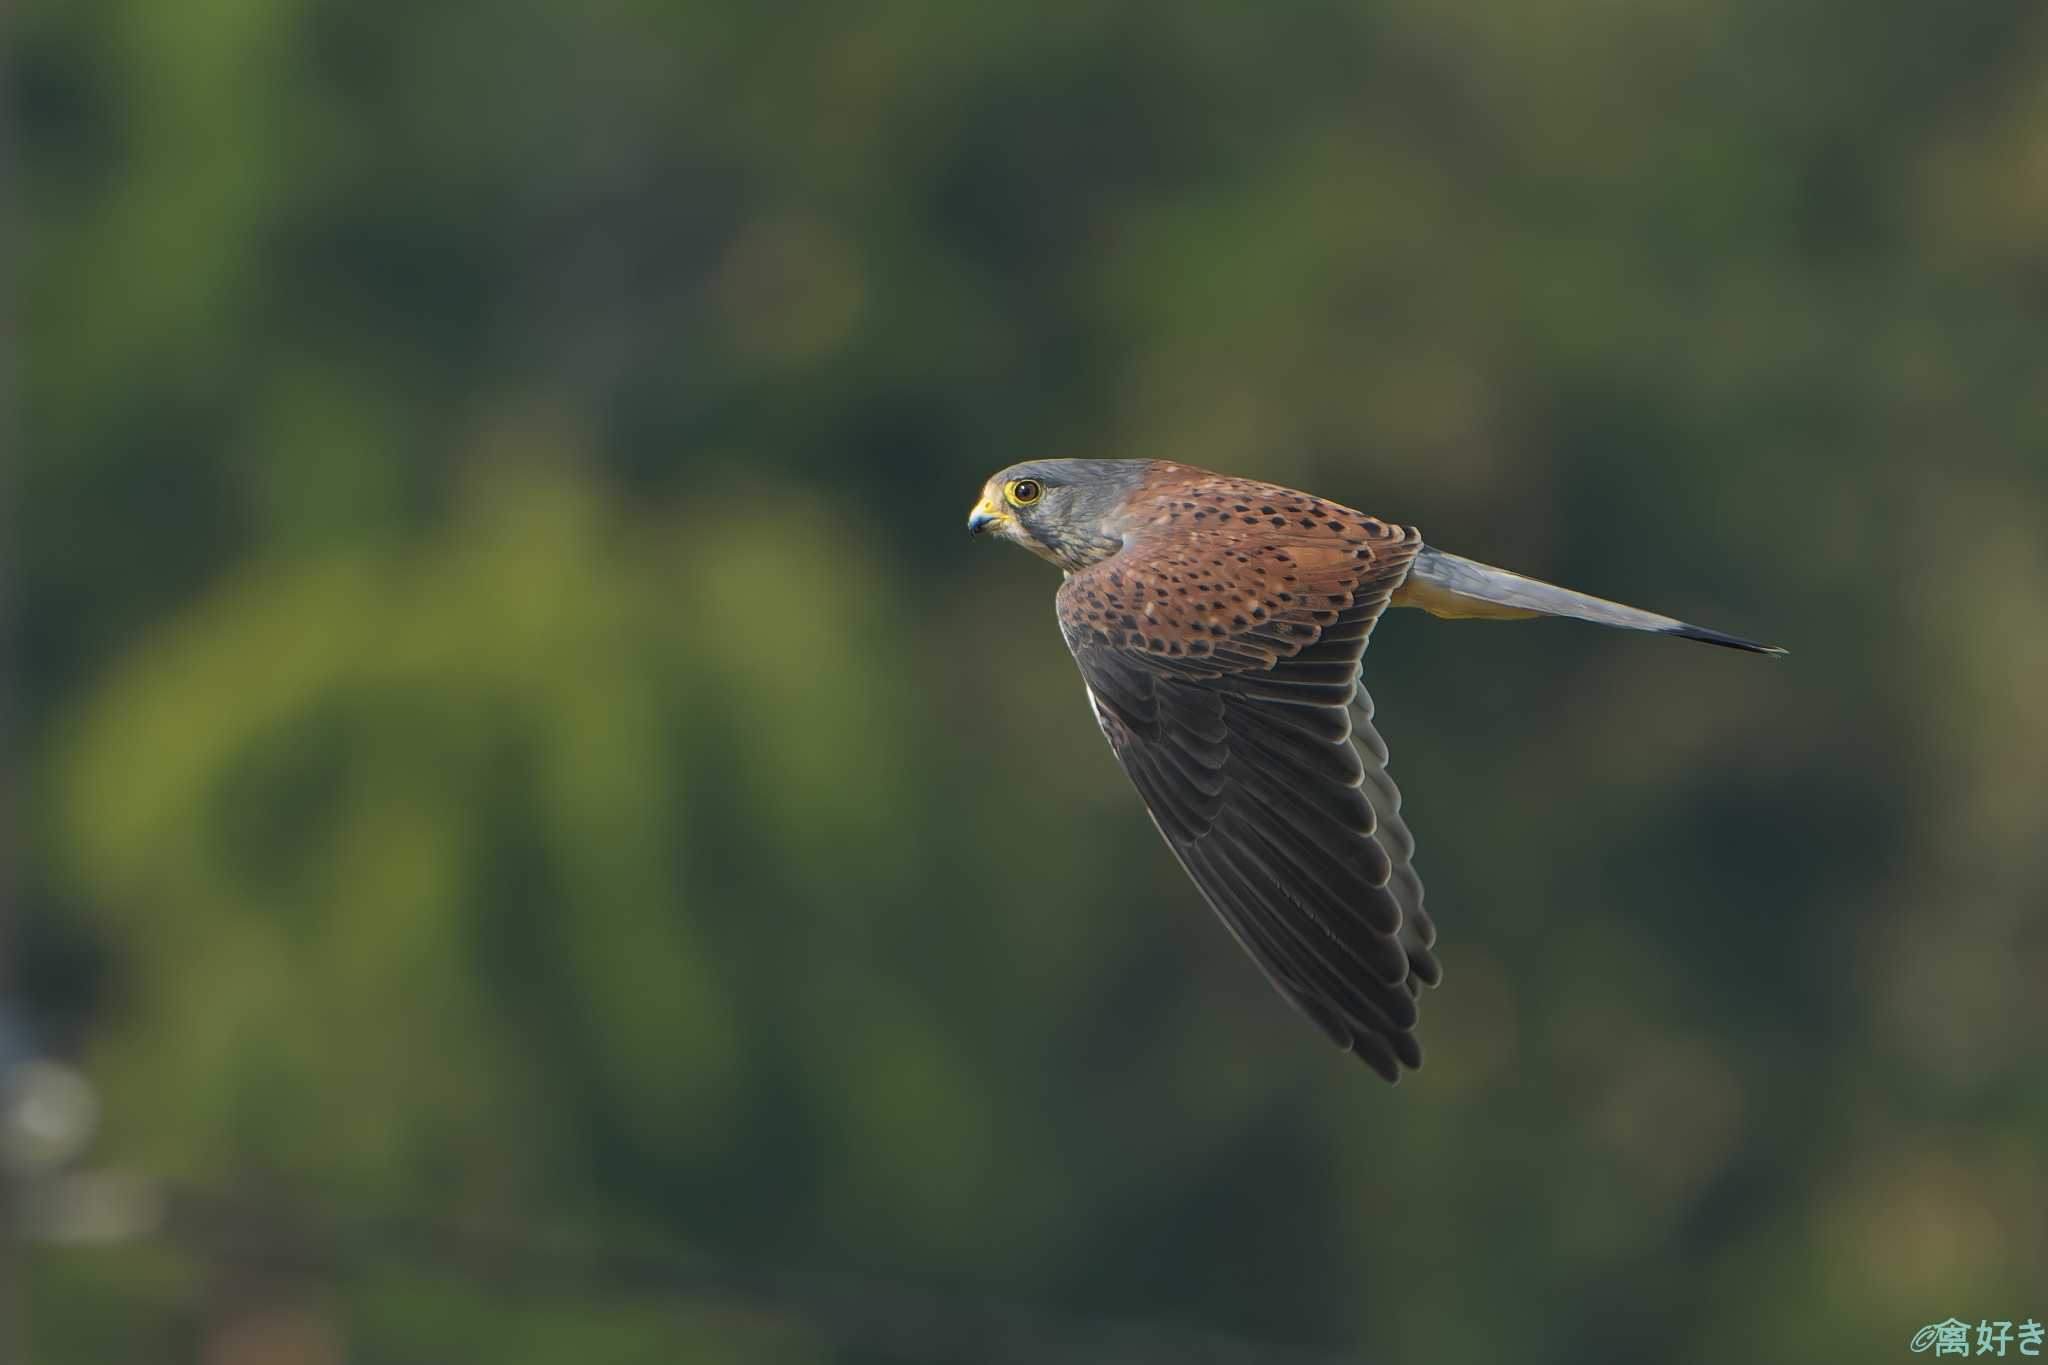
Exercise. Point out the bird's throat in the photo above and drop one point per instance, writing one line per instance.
(1071, 548)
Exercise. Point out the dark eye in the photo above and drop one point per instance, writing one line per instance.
(1024, 492)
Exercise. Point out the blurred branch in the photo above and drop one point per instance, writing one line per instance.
(857, 1314)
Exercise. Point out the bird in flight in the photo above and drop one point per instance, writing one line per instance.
(1219, 625)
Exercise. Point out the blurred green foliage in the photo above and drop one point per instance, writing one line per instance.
(516, 739)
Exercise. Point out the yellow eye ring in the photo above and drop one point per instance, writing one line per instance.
(1024, 492)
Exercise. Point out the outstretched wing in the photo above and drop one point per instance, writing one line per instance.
(1221, 652)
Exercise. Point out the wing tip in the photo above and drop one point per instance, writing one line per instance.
(1388, 1052)
(1388, 1056)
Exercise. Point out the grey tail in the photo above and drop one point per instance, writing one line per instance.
(1451, 586)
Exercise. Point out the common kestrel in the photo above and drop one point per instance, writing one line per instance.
(1219, 625)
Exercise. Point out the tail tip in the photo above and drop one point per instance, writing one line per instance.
(1726, 641)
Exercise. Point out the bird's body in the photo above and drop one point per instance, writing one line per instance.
(1219, 625)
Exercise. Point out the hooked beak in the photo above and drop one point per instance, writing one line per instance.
(985, 515)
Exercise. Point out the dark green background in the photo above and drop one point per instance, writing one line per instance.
(553, 845)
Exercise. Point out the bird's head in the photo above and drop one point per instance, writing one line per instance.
(1072, 512)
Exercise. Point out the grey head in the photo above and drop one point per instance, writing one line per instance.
(1072, 512)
